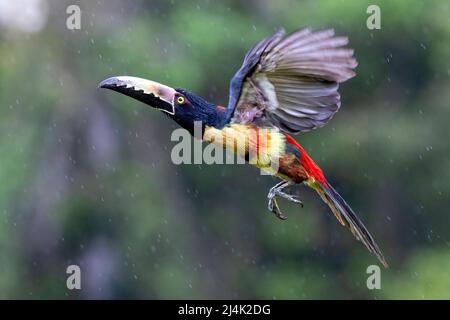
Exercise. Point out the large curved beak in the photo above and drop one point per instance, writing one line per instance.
(149, 92)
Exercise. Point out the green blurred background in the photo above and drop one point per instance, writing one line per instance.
(87, 179)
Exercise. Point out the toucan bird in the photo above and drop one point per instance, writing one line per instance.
(286, 85)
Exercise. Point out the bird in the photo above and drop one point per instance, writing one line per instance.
(287, 84)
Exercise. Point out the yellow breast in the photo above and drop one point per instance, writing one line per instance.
(261, 147)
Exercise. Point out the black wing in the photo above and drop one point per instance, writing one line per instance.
(291, 82)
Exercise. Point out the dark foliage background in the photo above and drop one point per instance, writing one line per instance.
(86, 175)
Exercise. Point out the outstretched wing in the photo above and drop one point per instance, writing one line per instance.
(291, 82)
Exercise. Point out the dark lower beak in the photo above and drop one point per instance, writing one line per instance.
(149, 92)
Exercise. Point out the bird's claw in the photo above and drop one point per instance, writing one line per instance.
(277, 191)
(275, 209)
(289, 197)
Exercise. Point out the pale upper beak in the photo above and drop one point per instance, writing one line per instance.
(149, 92)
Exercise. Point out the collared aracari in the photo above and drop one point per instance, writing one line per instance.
(286, 85)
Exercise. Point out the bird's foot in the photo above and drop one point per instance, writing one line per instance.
(275, 209)
(277, 191)
(290, 197)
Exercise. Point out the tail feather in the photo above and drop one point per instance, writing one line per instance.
(345, 215)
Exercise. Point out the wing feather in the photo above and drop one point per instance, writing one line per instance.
(292, 81)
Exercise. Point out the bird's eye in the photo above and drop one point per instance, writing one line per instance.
(180, 100)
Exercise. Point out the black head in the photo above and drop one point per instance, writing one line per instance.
(181, 105)
(190, 108)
